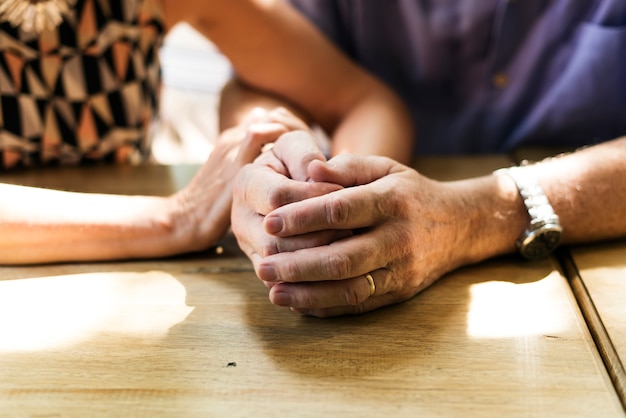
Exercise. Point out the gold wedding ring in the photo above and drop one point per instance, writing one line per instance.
(370, 280)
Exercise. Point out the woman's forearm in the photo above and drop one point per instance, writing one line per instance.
(290, 60)
(379, 124)
(40, 226)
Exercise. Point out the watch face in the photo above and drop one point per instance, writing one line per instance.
(541, 242)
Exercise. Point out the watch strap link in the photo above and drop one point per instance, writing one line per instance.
(544, 232)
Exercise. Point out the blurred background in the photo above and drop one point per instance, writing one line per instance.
(194, 72)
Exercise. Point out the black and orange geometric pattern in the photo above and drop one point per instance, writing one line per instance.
(84, 91)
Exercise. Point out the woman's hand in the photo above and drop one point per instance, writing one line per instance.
(201, 211)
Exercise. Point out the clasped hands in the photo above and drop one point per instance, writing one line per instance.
(314, 228)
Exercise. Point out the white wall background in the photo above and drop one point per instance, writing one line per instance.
(194, 72)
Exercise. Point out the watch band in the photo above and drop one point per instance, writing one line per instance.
(543, 234)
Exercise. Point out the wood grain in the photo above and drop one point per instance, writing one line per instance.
(601, 272)
(196, 336)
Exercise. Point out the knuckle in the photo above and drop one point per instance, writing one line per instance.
(403, 289)
(350, 297)
(287, 271)
(310, 155)
(338, 265)
(269, 247)
(403, 242)
(308, 300)
(337, 210)
(391, 204)
(278, 196)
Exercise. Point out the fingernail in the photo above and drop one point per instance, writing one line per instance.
(273, 224)
(267, 273)
(281, 299)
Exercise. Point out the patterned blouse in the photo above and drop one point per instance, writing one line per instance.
(84, 89)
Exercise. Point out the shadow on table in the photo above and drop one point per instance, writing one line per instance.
(424, 335)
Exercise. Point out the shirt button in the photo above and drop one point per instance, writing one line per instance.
(499, 80)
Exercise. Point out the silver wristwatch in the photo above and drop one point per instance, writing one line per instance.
(543, 234)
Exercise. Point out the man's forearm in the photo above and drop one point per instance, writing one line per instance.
(586, 190)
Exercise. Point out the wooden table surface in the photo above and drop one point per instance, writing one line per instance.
(596, 273)
(196, 336)
(601, 269)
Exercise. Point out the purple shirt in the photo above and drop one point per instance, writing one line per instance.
(485, 76)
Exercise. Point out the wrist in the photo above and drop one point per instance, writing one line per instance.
(494, 217)
(178, 225)
(156, 231)
(190, 225)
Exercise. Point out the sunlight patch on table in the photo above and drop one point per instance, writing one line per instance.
(507, 310)
(58, 311)
(599, 275)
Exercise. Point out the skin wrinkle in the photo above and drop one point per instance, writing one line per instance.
(270, 247)
(311, 298)
(279, 196)
(299, 218)
(403, 240)
(383, 204)
(337, 210)
(460, 217)
(338, 264)
(435, 224)
(351, 296)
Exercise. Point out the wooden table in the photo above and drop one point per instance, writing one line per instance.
(196, 336)
(596, 273)
(599, 275)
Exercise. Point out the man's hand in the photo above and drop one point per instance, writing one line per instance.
(401, 227)
(404, 229)
(313, 228)
(278, 177)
